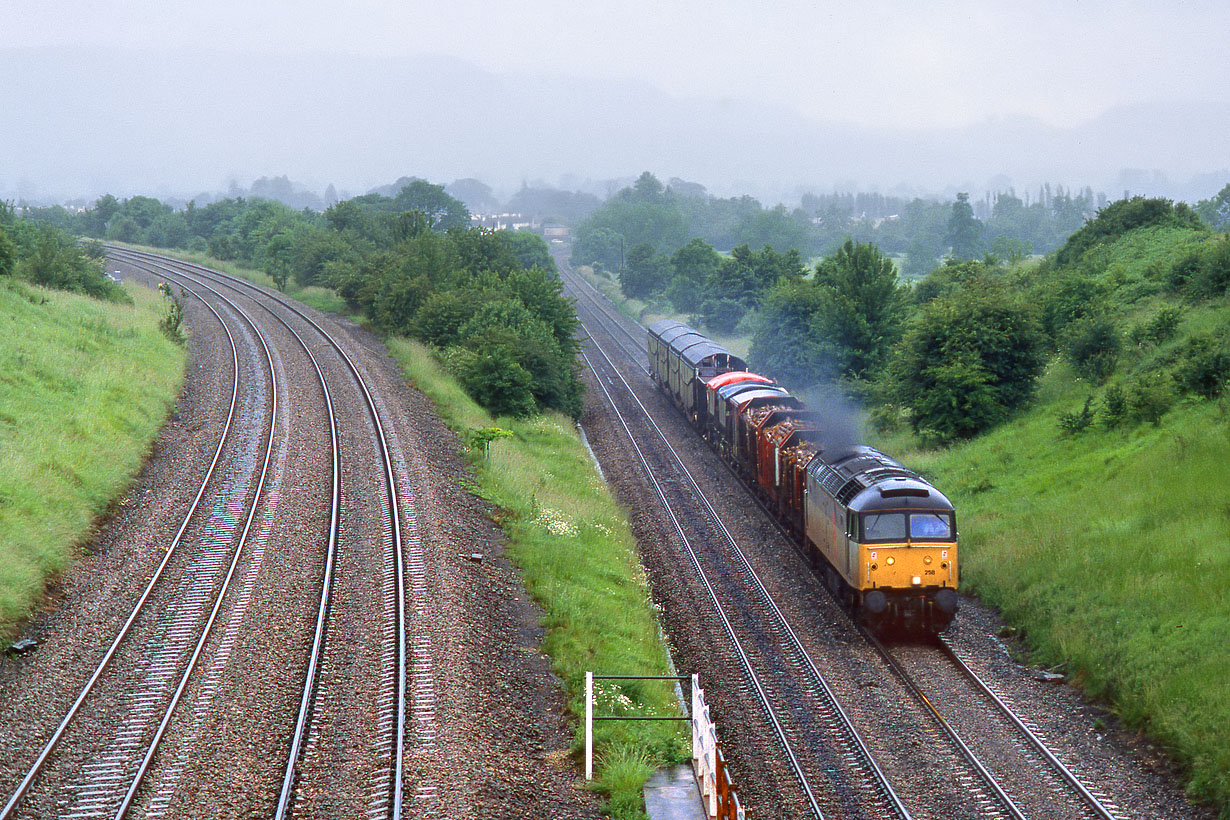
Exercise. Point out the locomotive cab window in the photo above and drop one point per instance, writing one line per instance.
(884, 526)
(930, 526)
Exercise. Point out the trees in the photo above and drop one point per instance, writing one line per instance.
(693, 265)
(967, 361)
(598, 246)
(442, 210)
(863, 315)
(644, 271)
(8, 254)
(1216, 210)
(964, 231)
(842, 323)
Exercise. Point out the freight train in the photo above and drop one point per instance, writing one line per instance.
(883, 539)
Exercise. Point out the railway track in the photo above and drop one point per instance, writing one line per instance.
(337, 679)
(824, 753)
(1047, 788)
(162, 638)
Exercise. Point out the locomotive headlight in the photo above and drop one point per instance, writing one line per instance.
(916, 581)
(890, 560)
(926, 559)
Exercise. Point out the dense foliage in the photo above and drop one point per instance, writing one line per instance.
(489, 302)
(45, 255)
(667, 217)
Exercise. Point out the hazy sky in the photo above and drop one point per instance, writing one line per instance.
(870, 63)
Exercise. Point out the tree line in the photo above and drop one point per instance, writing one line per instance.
(959, 351)
(920, 231)
(490, 302)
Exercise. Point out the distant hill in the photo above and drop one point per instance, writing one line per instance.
(84, 121)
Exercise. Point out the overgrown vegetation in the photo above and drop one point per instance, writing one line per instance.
(574, 548)
(488, 302)
(45, 255)
(87, 385)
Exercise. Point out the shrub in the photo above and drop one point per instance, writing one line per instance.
(1114, 407)
(499, 383)
(1161, 328)
(1212, 279)
(966, 363)
(1203, 368)
(1073, 423)
(1093, 346)
(1148, 399)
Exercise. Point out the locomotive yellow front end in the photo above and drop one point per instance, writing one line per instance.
(905, 535)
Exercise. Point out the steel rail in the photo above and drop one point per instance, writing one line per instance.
(73, 711)
(1086, 796)
(742, 656)
(395, 515)
(916, 691)
(130, 795)
(862, 749)
(322, 610)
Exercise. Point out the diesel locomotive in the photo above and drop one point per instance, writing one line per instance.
(883, 539)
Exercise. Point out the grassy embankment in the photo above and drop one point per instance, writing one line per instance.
(1110, 549)
(84, 388)
(572, 543)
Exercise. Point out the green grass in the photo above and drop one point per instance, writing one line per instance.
(1110, 550)
(84, 388)
(576, 553)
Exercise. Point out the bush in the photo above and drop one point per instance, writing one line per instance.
(1093, 346)
(966, 363)
(500, 384)
(1212, 279)
(1073, 423)
(1114, 407)
(1203, 368)
(1161, 328)
(1149, 398)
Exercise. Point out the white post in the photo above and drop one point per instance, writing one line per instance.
(695, 721)
(589, 725)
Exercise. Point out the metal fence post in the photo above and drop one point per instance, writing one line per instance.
(589, 725)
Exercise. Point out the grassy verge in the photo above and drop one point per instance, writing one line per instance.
(574, 549)
(86, 385)
(1109, 550)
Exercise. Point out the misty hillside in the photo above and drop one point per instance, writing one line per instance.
(180, 123)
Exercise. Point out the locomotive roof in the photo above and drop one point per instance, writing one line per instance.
(863, 478)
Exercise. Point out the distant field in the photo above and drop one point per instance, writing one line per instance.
(86, 387)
